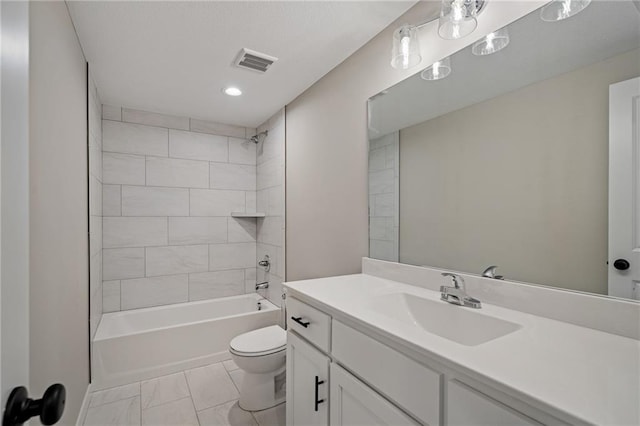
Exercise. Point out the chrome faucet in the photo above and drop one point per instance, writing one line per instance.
(260, 286)
(457, 294)
(490, 272)
(265, 263)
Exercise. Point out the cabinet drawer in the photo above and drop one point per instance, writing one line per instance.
(467, 406)
(310, 323)
(410, 385)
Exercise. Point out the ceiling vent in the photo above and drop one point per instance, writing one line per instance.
(255, 61)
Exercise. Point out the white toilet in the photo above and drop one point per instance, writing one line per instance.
(261, 354)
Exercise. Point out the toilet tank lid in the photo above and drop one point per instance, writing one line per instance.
(260, 340)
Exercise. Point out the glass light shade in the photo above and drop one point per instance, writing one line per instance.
(438, 70)
(491, 43)
(406, 49)
(558, 10)
(457, 19)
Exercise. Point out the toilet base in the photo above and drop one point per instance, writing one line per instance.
(262, 391)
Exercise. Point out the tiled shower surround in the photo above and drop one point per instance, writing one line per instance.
(271, 201)
(170, 186)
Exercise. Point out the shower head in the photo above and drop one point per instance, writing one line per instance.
(259, 137)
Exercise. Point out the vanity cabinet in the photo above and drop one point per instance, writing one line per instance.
(354, 403)
(340, 376)
(411, 385)
(307, 384)
(472, 407)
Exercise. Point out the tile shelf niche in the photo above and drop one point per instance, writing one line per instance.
(242, 214)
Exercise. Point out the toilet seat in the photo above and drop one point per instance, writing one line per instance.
(264, 341)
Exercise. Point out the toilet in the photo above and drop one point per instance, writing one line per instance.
(261, 354)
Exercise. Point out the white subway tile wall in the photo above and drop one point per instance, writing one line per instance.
(96, 206)
(171, 184)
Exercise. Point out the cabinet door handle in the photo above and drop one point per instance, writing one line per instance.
(316, 400)
(299, 321)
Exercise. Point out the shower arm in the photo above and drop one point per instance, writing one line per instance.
(256, 138)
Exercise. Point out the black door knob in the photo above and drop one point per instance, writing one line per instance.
(21, 408)
(621, 264)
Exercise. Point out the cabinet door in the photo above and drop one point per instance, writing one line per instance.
(307, 384)
(354, 403)
(466, 406)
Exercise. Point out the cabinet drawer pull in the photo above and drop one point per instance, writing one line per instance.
(299, 321)
(316, 400)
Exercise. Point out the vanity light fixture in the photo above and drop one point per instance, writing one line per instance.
(491, 43)
(232, 91)
(558, 10)
(406, 48)
(458, 18)
(438, 70)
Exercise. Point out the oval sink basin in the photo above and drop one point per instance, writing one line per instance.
(459, 324)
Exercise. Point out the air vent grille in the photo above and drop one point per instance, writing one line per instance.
(254, 61)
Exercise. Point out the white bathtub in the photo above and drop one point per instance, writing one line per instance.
(135, 345)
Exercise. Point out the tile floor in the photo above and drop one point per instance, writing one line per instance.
(206, 396)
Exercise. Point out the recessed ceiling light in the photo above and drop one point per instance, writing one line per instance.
(232, 91)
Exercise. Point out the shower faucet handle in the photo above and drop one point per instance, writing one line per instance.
(265, 263)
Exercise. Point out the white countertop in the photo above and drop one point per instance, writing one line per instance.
(589, 375)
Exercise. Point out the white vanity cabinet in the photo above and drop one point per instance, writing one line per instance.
(340, 376)
(468, 406)
(354, 403)
(307, 384)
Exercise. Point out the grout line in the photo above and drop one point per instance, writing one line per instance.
(92, 394)
(140, 403)
(186, 379)
(120, 295)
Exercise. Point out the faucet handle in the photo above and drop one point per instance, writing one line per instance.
(458, 281)
(490, 272)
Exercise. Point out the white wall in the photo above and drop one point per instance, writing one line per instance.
(59, 270)
(170, 185)
(327, 149)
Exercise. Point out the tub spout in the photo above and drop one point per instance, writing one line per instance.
(262, 285)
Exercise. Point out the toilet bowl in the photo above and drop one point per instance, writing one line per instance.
(261, 354)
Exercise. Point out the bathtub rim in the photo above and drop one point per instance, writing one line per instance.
(268, 306)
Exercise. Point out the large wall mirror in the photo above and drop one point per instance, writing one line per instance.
(527, 158)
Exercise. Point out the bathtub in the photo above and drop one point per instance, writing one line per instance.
(135, 345)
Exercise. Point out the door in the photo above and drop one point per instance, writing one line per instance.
(307, 384)
(354, 403)
(624, 189)
(14, 196)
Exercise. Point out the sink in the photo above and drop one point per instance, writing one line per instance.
(459, 324)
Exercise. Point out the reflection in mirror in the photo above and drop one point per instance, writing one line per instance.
(524, 158)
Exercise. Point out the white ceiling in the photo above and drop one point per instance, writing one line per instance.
(175, 57)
